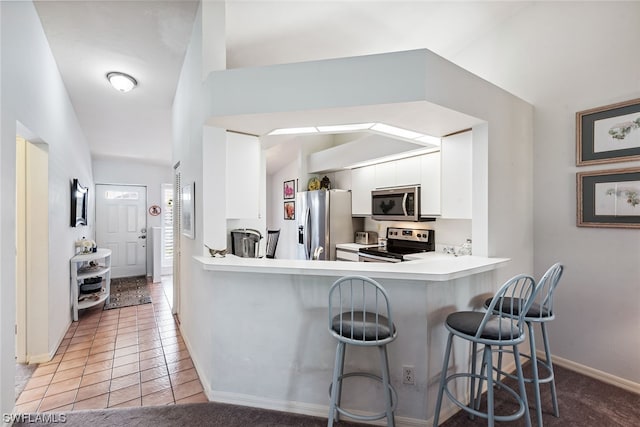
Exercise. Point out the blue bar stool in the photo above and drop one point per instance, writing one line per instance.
(502, 325)
(540, 312)
(360, 314)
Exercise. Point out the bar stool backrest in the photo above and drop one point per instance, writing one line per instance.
(542, 306)
(504, 319)
(359, 312)
(272, 243)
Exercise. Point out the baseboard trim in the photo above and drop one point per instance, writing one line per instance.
(301, 408)
(206, 385)
(594, 373)
(46, 357)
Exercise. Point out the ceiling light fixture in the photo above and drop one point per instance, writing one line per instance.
(121, 81)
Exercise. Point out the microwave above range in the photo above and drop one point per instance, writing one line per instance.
(397, 204)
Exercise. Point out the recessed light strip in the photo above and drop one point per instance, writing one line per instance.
(381, 128)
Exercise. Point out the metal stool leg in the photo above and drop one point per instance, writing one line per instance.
(443, 380)
(547, 352)
(523, 392)
(487, 362)
(384, 367)
(339, 398)
(536, 377)
(335, 386)
(472, 390)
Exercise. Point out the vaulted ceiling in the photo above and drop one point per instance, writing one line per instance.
(148, 39)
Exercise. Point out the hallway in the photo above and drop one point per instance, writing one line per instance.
(132, 356)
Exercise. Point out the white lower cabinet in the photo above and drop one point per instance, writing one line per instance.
(346, 255)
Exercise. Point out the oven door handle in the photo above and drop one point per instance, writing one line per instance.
(376, 258)
(404, 204)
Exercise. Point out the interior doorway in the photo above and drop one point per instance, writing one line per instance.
(32, 251)
(121, 225)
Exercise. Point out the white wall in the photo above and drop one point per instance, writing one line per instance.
(33, 93)
(132, 172)
(287, 244)
(580, 60)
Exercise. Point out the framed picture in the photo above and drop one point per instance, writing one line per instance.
(609, 198)
(289, 189)
(188, 222)
(608, 134)
(290, 210)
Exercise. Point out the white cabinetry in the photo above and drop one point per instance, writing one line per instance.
(398, 173)
(362, 182)
(243, 176)
(84, 266)
(456, 176)
(430, 196)
(385, 174)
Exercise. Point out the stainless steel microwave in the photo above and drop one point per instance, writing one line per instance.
(397, 204)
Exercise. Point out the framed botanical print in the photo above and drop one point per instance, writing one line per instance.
(609, 198)
(608, 134)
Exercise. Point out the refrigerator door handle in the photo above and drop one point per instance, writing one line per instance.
(404, 203)
(307, 234)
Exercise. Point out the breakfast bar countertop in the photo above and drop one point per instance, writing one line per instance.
(429, 266)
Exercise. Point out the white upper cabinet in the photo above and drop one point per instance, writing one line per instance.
(362, 182)
(398, 173)
(243, 176)
(456, 176)
(430, 191)
(385, 174)
(408, 171)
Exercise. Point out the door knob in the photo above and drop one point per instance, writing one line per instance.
(142, 237)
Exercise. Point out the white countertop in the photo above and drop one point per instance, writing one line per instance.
(353, 246)
(429, 266)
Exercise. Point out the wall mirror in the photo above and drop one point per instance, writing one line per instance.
(79, 203)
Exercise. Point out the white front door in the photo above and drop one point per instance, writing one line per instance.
(121, 225)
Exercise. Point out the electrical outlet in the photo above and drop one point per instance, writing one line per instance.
(408, 376)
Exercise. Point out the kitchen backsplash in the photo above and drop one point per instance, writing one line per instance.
(449, 232)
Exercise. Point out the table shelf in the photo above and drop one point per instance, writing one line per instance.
(79, 271)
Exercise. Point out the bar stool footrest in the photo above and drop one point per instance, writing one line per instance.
(394, 398)
(481, 414)
(541, 362)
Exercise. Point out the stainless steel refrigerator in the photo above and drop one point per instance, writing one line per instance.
(324, 220)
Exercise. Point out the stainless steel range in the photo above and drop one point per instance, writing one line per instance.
(400, 242)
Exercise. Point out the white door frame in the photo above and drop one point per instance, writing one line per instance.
(32, 251)
(177, 213)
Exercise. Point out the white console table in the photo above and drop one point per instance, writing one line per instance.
(81, 269)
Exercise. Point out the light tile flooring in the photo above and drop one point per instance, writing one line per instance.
(133, 356)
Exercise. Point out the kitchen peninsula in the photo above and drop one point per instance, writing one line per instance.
(266, 342)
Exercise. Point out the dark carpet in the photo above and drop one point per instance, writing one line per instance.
(128, 291)
(584, 402)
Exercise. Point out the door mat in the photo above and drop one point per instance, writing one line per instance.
(128, 291)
